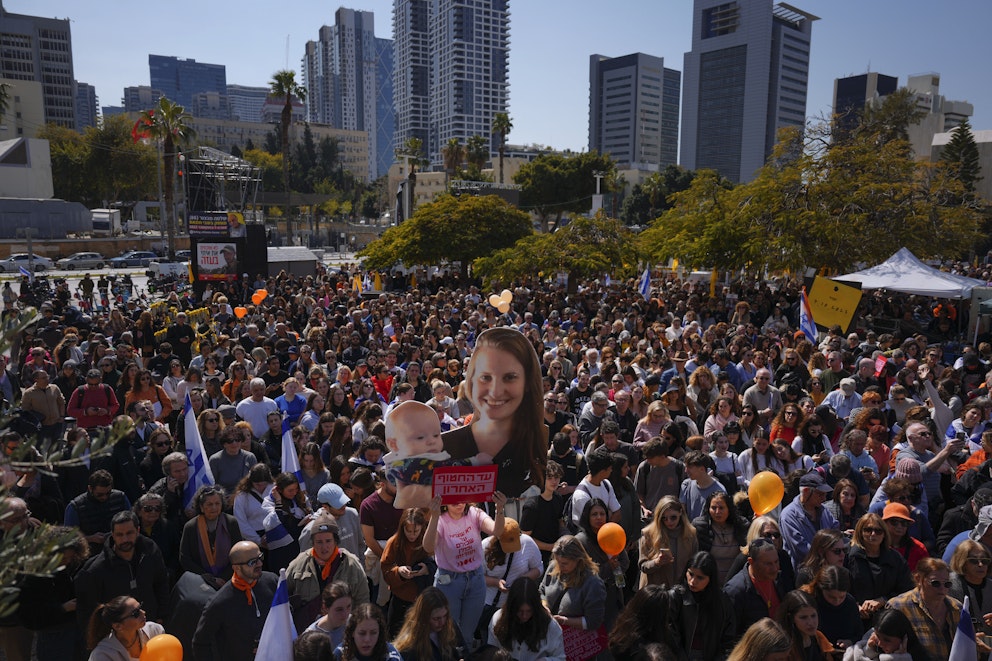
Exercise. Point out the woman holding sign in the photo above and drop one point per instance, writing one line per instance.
(454, 537)
(503, 383)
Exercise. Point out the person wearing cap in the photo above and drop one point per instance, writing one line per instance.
(898, 519)
(69, 378)
(805, 515)
(508, 557)
(310, 572)
(845, 399)
(93, 404)
(231, 624)
(334, 501)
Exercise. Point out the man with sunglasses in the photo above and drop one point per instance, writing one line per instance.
(232, 622)
(754, 591)
(128, 563)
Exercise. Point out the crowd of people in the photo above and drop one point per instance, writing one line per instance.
(597, 406)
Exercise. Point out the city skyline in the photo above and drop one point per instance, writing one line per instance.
(550, 45)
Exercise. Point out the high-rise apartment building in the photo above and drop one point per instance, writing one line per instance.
(941, 115)
(180, 79)
(745, 77)
(140, 97)
(40, 49)
(86, 106)
(451, 69)
(246, 102)
(345, 80)
(853, 93)
(634, 110)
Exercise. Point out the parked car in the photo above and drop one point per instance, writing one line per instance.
(133, 258)
(182, 255)
(82, 260)
(14, 263)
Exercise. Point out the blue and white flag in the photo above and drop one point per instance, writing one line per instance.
(290, 461)
(26, 272)
(963, 648)
(278, 632)
(806, 324)
(199, 466)
(644, 286)
(607, 281)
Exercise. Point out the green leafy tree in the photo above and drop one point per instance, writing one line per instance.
(585, 247)
(118, 168)
(168, 123)
(961, 154)
(70, 154)
(890, 117)
(502, 125)
(650, 199)
(284, 86)
(269, 164)
(553, 184)
(450, 229)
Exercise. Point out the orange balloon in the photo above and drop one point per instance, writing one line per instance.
(612, 539)
(765, 492)
(259, 296)
(163, 647)
(240, 312)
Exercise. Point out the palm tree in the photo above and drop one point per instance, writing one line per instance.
(283, 86)
(477, 153)
(453, 154)
(502, 125)
(168, 123)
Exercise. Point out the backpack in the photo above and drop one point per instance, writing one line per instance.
(570, 526)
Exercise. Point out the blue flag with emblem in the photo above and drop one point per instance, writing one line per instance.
(644, 286)
(199, 467)
(963, 647)
(278, 632)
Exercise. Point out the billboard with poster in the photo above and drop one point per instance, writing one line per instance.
(217, 224)
(217, 260)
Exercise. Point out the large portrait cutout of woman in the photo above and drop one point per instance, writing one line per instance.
(503, 382)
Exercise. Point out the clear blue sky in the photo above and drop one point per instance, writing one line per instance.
(551, 41)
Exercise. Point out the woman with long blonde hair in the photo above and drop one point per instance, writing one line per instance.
(428, 630)
(667, 544)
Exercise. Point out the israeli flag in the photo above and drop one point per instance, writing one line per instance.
(199, 467)
(806, 324)
(644, 286)
(278, 632)
(963, 648)
(26, 272)
(290, 461)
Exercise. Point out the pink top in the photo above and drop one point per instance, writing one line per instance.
(459, 541)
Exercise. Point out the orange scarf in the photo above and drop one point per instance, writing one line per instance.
(325, 572)
(243, 585)
(201, 527)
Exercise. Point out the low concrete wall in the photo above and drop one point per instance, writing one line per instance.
(106, 246)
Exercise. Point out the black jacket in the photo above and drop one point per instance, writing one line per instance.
(747, 603)
(229, 627)
(956, 520)
(718, 636)
(106, 576)
(893, 579)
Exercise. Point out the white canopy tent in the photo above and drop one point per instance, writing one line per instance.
(904, 272)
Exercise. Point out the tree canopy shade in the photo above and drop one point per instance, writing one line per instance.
(584, 248)
(553, 185)
(650, 199)
(819, 203)
(450, 229)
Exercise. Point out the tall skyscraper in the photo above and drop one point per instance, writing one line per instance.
(344, 77)
(140, 97)
(451, 69)
(40, 49)
(853, 93)
(745, 77)
(86, 106)
(634, 110)
(180, 79)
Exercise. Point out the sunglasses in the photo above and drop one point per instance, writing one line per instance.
(873, 531)
(150, 508)
(211, 420)
(137, 612)
(839, 551)
(232, 441)
(934, 583)
(163, 444)
(979, 561)
(772, 535)
(254, 562)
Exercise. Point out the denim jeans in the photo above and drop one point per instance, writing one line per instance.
(466, 593)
